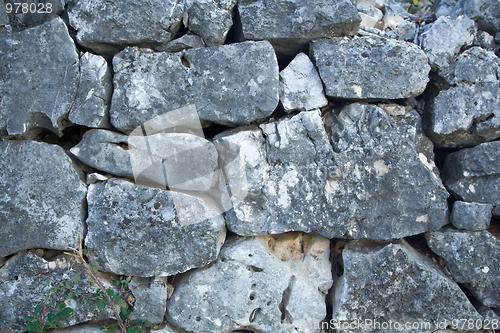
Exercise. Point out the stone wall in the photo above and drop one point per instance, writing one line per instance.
(251, 165)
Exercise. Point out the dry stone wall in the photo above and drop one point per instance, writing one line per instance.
(249, 166)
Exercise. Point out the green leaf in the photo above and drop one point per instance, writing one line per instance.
(37, 309)
(113, 294)
(76, 278)
(100, 304)
(70, 295)
(133, 330)
(51, 317)
(30, 326)
(94, 268)
(66, 312)
(29, 318)
(47, 283)
(61, 306)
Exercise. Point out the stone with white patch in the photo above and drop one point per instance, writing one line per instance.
(42, 199)
(264, 283)
(300, 86)
(370, 67)
(470, 260)
(473, 174)
(471, 215)
(359, 180)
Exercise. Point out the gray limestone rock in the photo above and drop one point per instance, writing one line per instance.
(485, 41)
(470, 259)
(473, 174)
(445, 38)
(150, 299)
(475, 65)
(370, 67)
(406, 30)
(362, 187)
(146, 232)
(107, 27)
(106, 151)
(93, 98)
(392, 282)
(370, 15)
(168, 329)
(84, 328)
(485, 12)
(38, 78)
(26, 282)
(289, 25)
(210, 19)
(31, 13)
(471, 215)
(265, 283)
(185, 42)
(4, 19)
(42, 195)
(229, 84)
(300, 86)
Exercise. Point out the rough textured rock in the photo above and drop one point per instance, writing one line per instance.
(370, 67)
(84, 328)
(38, 78)
(485, 12)
(185, 42)
(106, 151)
(300, 86)
(298, 181)
(445, 38)
(469, 260)
(210, 19)
(471, 215)
(473, 174)
(391, 282)
(484, 40)
(146, 232)
(214, 79)
(290, 25)
(49, 10)
(107, 27)
(467, 113)
(267, 283)
(4, 19)
(150, 299)
(42, 195)
(369, 15)
(24, 285)
(95, 87)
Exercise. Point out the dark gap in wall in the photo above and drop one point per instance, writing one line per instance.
(71, 136)
(181, 32)
(440, 155)
(494, 228)
(419, 243)
(211, 131)
(325, 325)
(284, 59)
(235, 34)
(451, 201)
(472, 299)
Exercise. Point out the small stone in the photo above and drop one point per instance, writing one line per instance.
(210, 19)
(370, 67)
(485, 12)
(445, 38)
(185, 42)
(42, 195)
(391, 282)
(406, 30)
(266, 283)
(230, 84)
(108, 27)
(167, 329)
(38, 79)
(174, 231)
(369, 15)
(95, 178)
(93, 98)
(26, 283)
(300, 86)
(393, 110)
(290, 25)
(470, 260)
(471, 215)
(379, 4)
(105, 151)
(473, 174)
(484, 40)
(150, 299)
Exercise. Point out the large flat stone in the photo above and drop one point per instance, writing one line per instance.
(358, 182)
(370, 67)
(290, 24)
(266, 283)
(229, 84)
(471, 259)
(38, 79)
(391, 282)
(141, 231)
(473, 174)
(107, 27)
(42, 202)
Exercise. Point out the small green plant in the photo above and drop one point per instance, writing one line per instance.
(46, 316)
